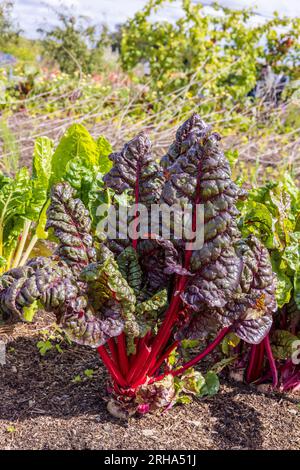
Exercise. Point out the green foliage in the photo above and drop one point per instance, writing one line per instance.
(77, 379)
(193, 383)
(104, 149)
(10, 148)
(25, 50)
(44, 347)
(89, 373)
(217, 51)
(30, 311)
(212, 384)
(8, 30)
(76, 146)
(283, 344)
(230, 341)
(41, 173)
(75, 44)
(24, 199)
(82, 161)
(15, 196)
(272, 213)
(53, 338)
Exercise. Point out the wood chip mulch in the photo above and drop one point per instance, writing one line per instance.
(43, 407)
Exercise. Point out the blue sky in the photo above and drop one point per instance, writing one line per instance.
(32, 13)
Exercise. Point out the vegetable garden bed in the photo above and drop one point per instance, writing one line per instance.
(43, 408)
(156, 256)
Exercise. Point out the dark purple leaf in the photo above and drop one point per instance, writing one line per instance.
(135, 169)
(72, 226)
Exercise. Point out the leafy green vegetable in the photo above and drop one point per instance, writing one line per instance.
(14, 196)
(22, 201)
(136, 305)
(41, 173)
(77, 144)
(82, 161)
(104, 149)
(283, 344)
(212, 384)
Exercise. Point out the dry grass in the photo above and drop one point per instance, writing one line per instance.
(259, 148)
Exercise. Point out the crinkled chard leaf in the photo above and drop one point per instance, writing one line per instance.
(256, 296)
(232, 282)
(159, 260)
(42, 279)
(84, 326)
(54, 286)
(249, 312)
(153, 305)
(148, 312)
(157, 395)
(54, 282)
(107, 288)
(130, 269)
(200, 174)
(134, 168)
(72, 226)
(89, 187)
(187, 135)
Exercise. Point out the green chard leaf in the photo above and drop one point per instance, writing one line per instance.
(284, 285)
(41, 173)
(105, 149)
(283, 344)
(85, 163)
(15, 195)
(297, 288)
(77, 144)
(258, 220)
(212, 384)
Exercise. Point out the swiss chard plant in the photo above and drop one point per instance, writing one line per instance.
(272, 213)
(22, 207)
(24, 199)
(137, 299)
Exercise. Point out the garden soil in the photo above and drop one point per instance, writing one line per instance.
(50, 403)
